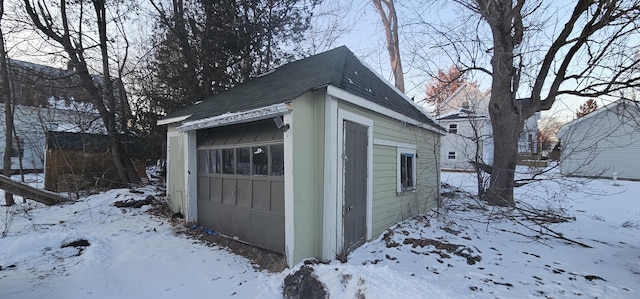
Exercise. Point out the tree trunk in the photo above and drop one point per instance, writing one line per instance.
(505, 156)
(504, 109)
(8, 112)
(390, 24)
(121, 158)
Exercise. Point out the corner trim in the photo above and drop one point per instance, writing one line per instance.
(190, 179)
(289, 200)
(330, 204)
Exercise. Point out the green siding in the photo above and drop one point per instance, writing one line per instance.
(308, 156)
(389, 207)
(175, 173)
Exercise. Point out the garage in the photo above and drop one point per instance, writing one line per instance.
(310, 160)
(240, 189)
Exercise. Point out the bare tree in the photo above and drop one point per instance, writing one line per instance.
(591, 55)
(8, 109)
(69, 28)
(390, 24)
(331, 21)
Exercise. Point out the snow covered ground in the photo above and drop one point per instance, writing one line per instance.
(468, 251)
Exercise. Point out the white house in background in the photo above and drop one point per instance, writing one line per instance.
(31, 125)
(45, 98)
(465, 114)
(469, 139)
(604, 143)
(467, 96)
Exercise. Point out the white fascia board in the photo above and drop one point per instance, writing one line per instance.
(364, 103)
(235, 117)
(167, 121)
(385, 142)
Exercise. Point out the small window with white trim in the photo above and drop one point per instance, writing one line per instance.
(453, 128)
(406, 170)
(452, 156)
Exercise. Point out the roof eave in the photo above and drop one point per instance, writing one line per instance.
(357, 100)
(171, 120)
(235, 117)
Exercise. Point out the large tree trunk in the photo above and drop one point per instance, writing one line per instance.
(390, 24)
(505, 156)
(505, 110)
(8, 112)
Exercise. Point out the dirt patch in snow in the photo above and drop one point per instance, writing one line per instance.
(304, 284)
(261, 259)
(132, 203)
(459, 250)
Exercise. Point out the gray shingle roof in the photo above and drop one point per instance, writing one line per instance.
(338, 67)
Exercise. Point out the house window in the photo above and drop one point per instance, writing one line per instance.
(452, 156)
(453, 128)
(406, 170)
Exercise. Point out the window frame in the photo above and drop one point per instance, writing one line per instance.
(453, 128)
(450, 155)
(401, 151)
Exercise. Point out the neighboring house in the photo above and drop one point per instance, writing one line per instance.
(604, 143)
(465, 115)
(468, 97)
(528, 141)
(469, 139)
(309, 160)
(45, 98)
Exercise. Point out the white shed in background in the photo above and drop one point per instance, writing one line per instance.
(604, 143)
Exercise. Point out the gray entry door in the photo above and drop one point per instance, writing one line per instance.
(355, 185)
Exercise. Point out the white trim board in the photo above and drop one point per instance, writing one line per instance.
(364, 103)
(191, 177)
(331, 158)
(235, 118)
(384, 142)
(289, 200)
